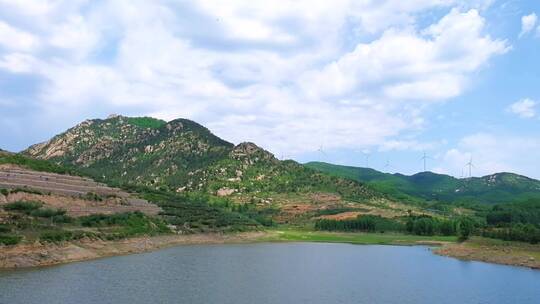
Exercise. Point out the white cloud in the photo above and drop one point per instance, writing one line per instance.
(525, 108)
(28, 7)
(492, 153)
(18, 63)
(288, 76)
(16, 39)
(74, 34)
(405, 64)
(528, 23)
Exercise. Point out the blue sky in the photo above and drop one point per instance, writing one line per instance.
(389, 79)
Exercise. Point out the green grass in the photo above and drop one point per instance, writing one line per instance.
(354, 238)
(146, 122)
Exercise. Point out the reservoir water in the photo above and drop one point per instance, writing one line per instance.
(274, 273)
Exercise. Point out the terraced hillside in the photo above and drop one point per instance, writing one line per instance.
(77, 195)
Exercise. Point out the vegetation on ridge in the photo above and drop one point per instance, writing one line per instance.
(432, 187)
(182, 156)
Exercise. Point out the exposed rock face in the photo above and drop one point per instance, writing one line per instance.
(225, 192)
(250, 153)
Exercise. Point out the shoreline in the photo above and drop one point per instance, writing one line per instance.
(494, 252)
(25, 256)
(48, 254)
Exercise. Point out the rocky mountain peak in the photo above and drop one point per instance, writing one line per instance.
(250, 152)
(111, 116)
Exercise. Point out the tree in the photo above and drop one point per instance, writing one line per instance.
(465, 227)
(447, 227)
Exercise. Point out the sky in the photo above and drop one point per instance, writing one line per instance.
(357, 82)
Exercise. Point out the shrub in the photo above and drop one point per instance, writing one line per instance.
(130, 223)
(56, 236)
(9, 239)
(25, 190)
(47, 212)
(4, 228)
(91, 196)
(23, 206)
(62, 219)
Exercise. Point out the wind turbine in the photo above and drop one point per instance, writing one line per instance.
(324, 140)
(366, 156)
(425, 157)
(321, 150)
(470, 165)
(388, 165)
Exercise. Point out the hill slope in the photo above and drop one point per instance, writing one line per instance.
(182, 156)
(429, 186)
(55, 189)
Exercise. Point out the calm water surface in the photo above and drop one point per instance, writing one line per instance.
(274, 273)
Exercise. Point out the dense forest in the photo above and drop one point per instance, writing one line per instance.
(509, 222)
(513, 222)
(417, 225)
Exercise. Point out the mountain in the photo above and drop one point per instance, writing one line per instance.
(429, 186)
(183, 156)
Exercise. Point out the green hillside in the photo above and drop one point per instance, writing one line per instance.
(191, 213)
(429, 186)
(183, 156)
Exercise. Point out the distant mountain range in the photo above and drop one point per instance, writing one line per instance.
(429, 186)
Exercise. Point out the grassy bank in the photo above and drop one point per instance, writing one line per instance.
(299, 235)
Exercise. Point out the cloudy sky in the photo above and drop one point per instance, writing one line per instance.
(391, 79)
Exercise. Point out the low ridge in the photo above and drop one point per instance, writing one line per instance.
(428, 186)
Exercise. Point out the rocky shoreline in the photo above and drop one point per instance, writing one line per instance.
(47, 254)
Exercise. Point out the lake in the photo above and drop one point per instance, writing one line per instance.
(274, 273)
